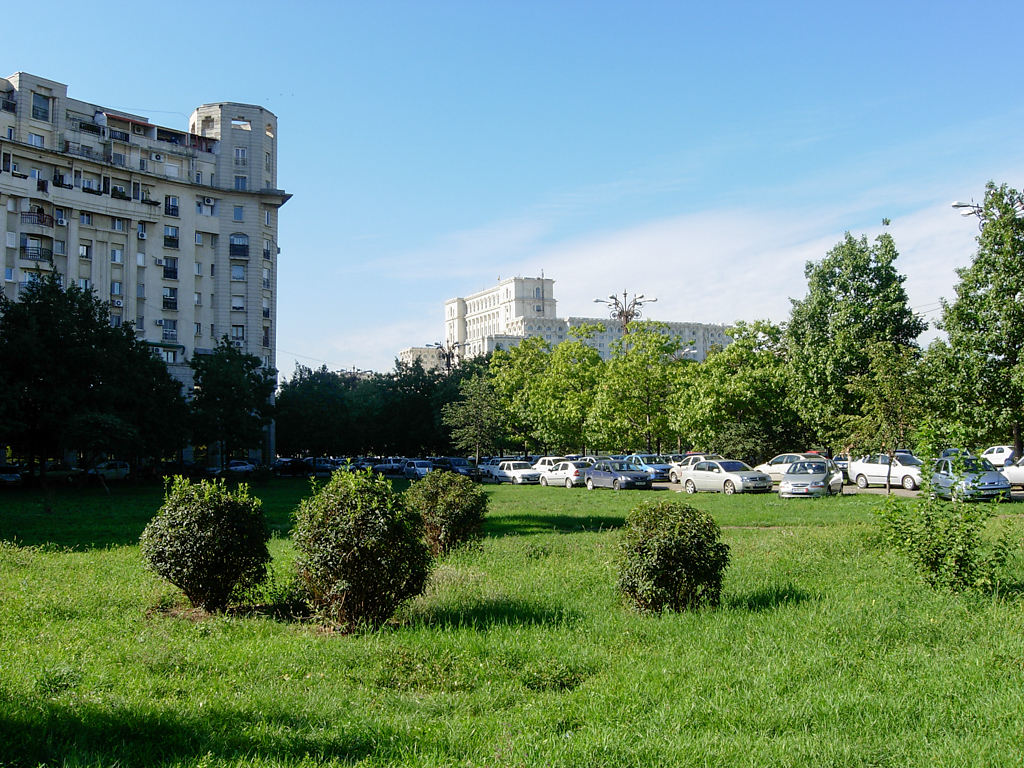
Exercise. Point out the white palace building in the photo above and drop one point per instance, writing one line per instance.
(522, 307)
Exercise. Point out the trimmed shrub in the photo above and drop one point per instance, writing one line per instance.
(671, 558)
(452, 507)
(944, 542)
(361, 551)
(207, 541)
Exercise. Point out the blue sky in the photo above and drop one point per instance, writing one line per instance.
(699, 153)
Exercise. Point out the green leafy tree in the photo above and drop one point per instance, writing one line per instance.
(476, 421)
(630, 405)
(985, 322)
(737, 401)
(232, 401)
(855, 297)
(565, 390)
(312, 414)
(514, 375)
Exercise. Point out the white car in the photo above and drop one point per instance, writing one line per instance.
(567, 473)
(1000, 455)
(676, 468)
(516, 472)
(779, 465)
(811, 478)
(115, 470)
(725, 476)
(417, 469)
(547, 462)
(1014, 473)
(873, 469)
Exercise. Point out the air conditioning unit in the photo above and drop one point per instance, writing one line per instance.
(238, 343)
(208, 201)
(158, 261)
(142, 235)
(158, 322)
(117, 302)
(156, 157)
(61, 222)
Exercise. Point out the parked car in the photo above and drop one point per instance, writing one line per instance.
(546, 462)
(416, 469)
(111, 470)
(240, 467)
(10, 475)
(1014, 473)
(616, 475)
(873, 470)
(458, 465)
(567, 473)
(655, 466)
(391, 467)
(516, 472)
(676, 468)
(968, 478)
(1000, 455)
(779, 465)
(725, 476)
(815, 476)
(842, 460)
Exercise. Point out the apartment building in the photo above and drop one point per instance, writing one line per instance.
(176, 229)
(521, 307)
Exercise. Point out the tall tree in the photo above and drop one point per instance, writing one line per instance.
(566, 388)
(855, 297)
(514, 375)
(312, 413)
(476, 419)
(986, 320)
(232, 402)
(630, 406)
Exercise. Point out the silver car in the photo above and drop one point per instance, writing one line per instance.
(811, 477)
(726, 476)
(968, 478)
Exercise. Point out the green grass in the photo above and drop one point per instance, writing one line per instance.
(826, 651)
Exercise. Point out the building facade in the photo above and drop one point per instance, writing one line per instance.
(521, 307)
(176, 229)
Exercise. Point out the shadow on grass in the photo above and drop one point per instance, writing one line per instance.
(505, 525)
(54, 733)
(493, 612)
(768, 598)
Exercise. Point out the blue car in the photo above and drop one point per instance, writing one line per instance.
(616, 475)
(656, 467)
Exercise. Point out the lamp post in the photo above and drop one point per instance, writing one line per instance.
(973, 209)
(624, 310)
(448, 352)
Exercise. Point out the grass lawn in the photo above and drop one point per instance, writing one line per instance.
(827, 650)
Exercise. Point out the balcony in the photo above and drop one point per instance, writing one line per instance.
(36, 217)
(170, 242)
(8, 106)
(92, 190)
(238, 250)
(170, 210)
(241, 162)
(149, 201)
(36, 253)
(170, 303)
(170, 273)
(169, 334)
(119, 195)
(80, 149)
(117, 135)
(84, 126)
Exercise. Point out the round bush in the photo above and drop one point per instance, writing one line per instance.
(207, 540)
(361, 551)
(452, 507)
(671, 558)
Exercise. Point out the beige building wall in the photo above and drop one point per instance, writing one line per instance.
(176, 229)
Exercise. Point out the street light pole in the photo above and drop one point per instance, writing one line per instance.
(447, 352)
(625, 310)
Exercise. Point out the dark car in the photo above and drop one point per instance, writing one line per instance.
(616, 475)
(10, 475)
(458, 465)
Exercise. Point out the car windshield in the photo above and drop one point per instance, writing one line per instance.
(906, 460)
(619, 466)
(458, 462)
(519, 465)
(806, 468)
(733, 466)
(977, 465)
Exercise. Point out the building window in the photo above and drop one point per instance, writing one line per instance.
(85, 218)
(117, 224)
(115, 321)
(241, 183)
(266, 217)
(238, 272)
(170, 330)
(85, 250)
(170, 268)
(170, 236)
(199, 269)
(85, 283)
(198, 330)
(116, 256)
(40, 107)
(140, 291)
(237, 303)
(60, 247)
(170, 355)
(115, 287)
(170, 298)
(199, 180)
(199, 238)
(35, 139)
(238, 213)
(171, 205)
(238, 245)
(266, 336)
(238, 332)
(142, 230)
(266, 308)
(240, 157)
(267, 162)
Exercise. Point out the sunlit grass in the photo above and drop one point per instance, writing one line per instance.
(827, 650)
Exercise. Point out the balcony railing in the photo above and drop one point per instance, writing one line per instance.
(8, 106)
(169, 335)
(170, 273)
(236, 249)
(36, 217)
(119, 135)
(40, 113)
(79, 149)
(241, 162)
(92, 190)
(36, 253)
(149, 201)
(170, 210)
(170, 242)
(170, 303)
(119, 195)
(84, 126)
(42, 185)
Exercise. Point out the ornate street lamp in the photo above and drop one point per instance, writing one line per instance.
(448, 352)
(625, 310)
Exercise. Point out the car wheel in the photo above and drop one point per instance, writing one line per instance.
(615, 485)
(673, 477)
(590, 484)
(690, 487)
(568, 483)
(516, 480)
(862, 482)
(728, 489)
(909, 484)
(544, 481)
